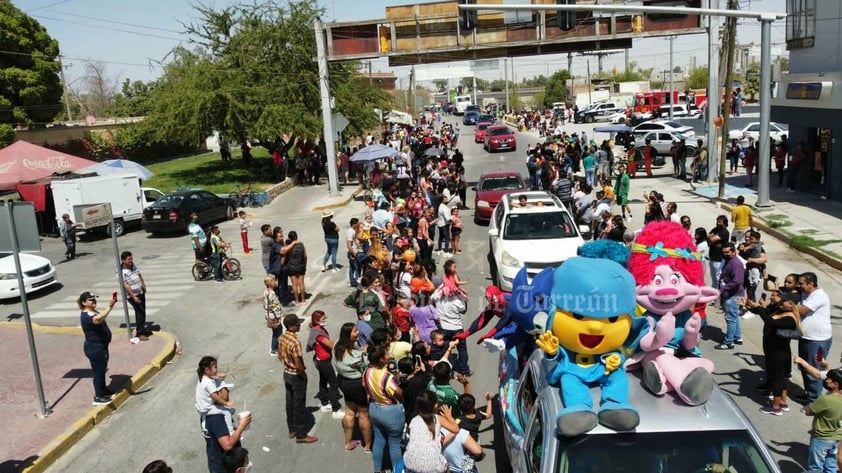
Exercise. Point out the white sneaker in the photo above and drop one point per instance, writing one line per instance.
(629, 219)
(748, 316)
(338, 414)
(326, 408)
(447, 255)
(334, 270)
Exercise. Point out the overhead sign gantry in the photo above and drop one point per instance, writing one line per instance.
(438, 32)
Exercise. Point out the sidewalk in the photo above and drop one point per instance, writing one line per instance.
(32, 443)
(807, 222)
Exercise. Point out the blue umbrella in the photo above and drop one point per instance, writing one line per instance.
(373, 152)
(120, 166)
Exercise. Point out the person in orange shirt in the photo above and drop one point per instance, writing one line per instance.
(648, 152)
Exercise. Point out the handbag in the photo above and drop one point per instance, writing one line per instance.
(791, 333)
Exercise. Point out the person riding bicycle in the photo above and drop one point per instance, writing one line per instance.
(218, 248)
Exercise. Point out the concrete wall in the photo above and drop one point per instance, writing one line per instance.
(826, 54)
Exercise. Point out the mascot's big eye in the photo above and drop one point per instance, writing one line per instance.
(675, 279)
(613, 319)
(578, 317)
(658, 280)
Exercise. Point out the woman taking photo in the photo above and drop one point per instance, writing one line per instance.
(331, 231)
(387, 417)
(97, 339)
(320, 343)
(296, 265)
(348, 361)
(272, 311)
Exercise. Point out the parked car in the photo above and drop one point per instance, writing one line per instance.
(498, 138)
(38, 273)
(671, 436)
(535, 237)
(470, 117)
(491, 187)
(596, 112)
(753, 131)
(618, 118)
(679, 110)
(171, 212)
(663, 125)
(662, 141)
(479, 136)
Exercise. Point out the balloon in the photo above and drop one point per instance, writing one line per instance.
(717, 122)
(409, 255)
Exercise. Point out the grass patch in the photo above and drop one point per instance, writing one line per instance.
(210, 173)
(800, 242)
(810, 231)
(778, 223)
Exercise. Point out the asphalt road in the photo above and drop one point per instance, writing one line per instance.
(226, 321)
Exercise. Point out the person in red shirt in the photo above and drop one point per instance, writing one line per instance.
(319, 342)
(400, 316)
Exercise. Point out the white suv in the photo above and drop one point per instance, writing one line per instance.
(539, 235)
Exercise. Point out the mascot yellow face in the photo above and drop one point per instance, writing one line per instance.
(588, 335)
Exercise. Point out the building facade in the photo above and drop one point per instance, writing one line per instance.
(809, 98)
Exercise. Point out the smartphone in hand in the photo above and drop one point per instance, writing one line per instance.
(820, 355)
(763, 296)
(114, 296)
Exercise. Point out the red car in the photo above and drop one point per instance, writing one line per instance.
(479, 136)
(499, 138)
(491, 187)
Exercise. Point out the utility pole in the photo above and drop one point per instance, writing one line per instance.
(730, 37)
(589, 79)
(672, 84)
(570, 71)
(327, 108)
(506, 79)
(414, 103)
(712, 92)
(626, 68)
(64, 84)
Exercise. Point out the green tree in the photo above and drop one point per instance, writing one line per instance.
(555, 90)
(133, 100)
(441, 84)
(252, 76)
(698, 78)
(30, 89)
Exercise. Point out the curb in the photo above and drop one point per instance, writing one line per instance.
(63, 442)
(341, 203)
(760, 223)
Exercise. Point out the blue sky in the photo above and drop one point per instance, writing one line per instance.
(130, 37)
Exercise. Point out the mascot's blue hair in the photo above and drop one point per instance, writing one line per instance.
(606, 249)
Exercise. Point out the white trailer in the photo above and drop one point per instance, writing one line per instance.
(127, 199)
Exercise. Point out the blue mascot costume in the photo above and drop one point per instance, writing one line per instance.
(590, 327)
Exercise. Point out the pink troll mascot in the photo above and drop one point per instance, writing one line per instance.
(670, 282)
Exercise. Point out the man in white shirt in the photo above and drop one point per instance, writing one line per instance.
(818, 335)
(451, 308)
(443, 225)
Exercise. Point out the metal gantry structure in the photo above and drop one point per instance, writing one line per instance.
(766, 19)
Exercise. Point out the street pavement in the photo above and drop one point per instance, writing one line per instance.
(225, 320)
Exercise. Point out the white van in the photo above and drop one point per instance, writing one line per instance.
(462, 101)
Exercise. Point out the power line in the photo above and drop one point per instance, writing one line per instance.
(55, 4)
(105, 20)
(148, 35)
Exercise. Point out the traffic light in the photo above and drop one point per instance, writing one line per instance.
(565, 19)
(467, 18)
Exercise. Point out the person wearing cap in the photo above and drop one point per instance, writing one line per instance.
(67, 230)
(198, 238)
(827, 427)
(295, 379)
(331, 231)
(778, 314)
(97, 339)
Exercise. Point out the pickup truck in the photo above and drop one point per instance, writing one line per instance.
(597, 112)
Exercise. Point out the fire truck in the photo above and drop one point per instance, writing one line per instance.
(648, 102)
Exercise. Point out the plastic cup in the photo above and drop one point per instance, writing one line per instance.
(243, 415)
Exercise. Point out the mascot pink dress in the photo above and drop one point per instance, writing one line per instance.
(670, 281)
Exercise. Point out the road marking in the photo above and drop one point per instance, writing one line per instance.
(57, 313)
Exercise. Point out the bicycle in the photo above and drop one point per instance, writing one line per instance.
(203, 271)
(245, 197)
